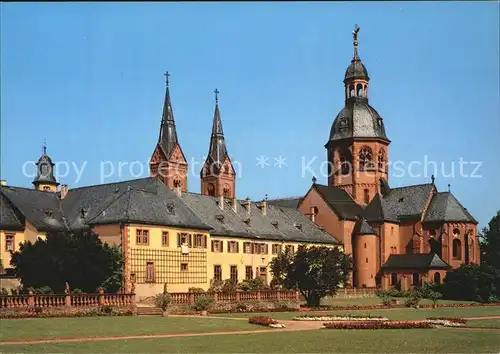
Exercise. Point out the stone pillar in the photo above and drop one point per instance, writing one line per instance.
(31, 299)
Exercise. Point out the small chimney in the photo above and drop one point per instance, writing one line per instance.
(64, 191)
(3, 182)
(263, 207)
(221, 202)
(248, 205)
(235, 205)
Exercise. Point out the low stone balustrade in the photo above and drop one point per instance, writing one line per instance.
(66, 300)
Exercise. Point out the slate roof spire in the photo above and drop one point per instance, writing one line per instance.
(45, 169)
(217, 151)
(356, 69)
(168, 134)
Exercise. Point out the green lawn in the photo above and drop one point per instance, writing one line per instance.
(392, 314)
(489, 323)
(113, 326)
(318, 341)
(342, 301)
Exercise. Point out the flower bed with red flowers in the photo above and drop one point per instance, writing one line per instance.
(266, 321)
(450, 319)
(382, 307)
(261, 320)
(378, 325)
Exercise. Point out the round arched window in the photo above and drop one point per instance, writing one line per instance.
(456, 232)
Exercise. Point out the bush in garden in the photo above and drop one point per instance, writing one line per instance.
(203, 303)
(256, 284)
(386, 301)
(163, 301)
(229, 286)
(434, 296)
(413, 300)
(215, 286)
(196, 290)
(241, 307)
(44, 290)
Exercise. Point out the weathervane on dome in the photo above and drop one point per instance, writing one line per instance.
(355, 40)
(355, 33)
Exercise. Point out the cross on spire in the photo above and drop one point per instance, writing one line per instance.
(216, 96)
(167, 75)
(44, 146)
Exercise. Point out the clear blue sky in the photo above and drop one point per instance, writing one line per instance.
(88, 77)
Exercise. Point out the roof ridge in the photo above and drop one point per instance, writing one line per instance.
(29, 189)
(99, 212)
(285, 198)
(110, 183)
(412, 185)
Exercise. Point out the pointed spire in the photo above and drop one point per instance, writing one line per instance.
(44, 149)
(168, 133)
(217, 151)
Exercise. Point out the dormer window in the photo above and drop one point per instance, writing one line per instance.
(247, 221)
(83, 212)
(220, 218)
(343, 124)
(275, 224)
(48, 213)
(298, 226)
(170, 208)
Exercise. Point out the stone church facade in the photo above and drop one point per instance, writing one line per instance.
(398, 237)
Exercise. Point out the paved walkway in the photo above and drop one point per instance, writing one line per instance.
(291, 326)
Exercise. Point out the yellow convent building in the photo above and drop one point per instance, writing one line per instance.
(168, 235)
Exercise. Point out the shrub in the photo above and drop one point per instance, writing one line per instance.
(493, 299)
(44, 290)
(203, 303)
(434, 296)
(215, 286)
(386, 301)
(163, 301)
(241, 307)
(256, 284)
(283, 305)
(472, 282)
(413, 300)
(196, 290)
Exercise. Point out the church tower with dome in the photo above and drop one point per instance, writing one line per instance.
(358, 146)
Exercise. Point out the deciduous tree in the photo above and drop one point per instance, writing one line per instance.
(315, 271)
(79, 258)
